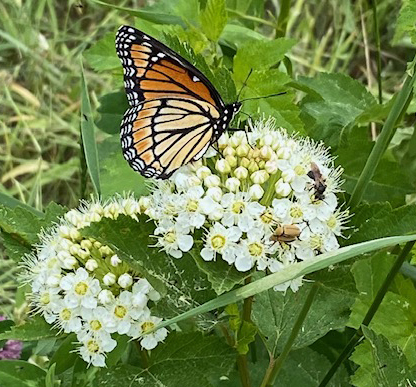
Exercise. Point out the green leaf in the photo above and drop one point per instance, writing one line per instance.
(50, 376)
(291, 272)
(213, 19)
(390, 182)
(115, 173)
(381, 364)
(341, 100)
(260, 56)
(88, 135)
(405, 25)
(185, 284)
(245, 336)
(64, 357)
(36, 329)
(235, 36)
(102, 55)
(11, 202)
(112, 108)
(275, 312)
(184, 360)
(379, 220)
(397, 313)
(18, 373)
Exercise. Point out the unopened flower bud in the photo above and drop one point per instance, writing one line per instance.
(256, 192)
(271, 167)
(74, 249)
(69, 262)
(215, 193)
(130, 206)
(232, 161)
(91, 264)
(236, 139)
(222, 166)
(194, 181)
(245, 162)
(242, 150)
(125, 280)
(241, 173)
(232, 184)
(84, 253)
(109, 279)
(93, 217)
(261, 164)
(228, 151)
(266, 152)
(144, 203)
(223, 141)
(253, 167)
(282, 189)
(212, 181)
(259, 177)
(97, 244)
(105, 297)
(115, 260)
(203, 172)
(86, 244)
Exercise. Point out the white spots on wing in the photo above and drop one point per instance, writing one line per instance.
(225, 118)
(131, 30)
(154, 58)
(146, 37)
(224, 126)
(161, 55)
(195, 79)
(146, 44)
(225, 111)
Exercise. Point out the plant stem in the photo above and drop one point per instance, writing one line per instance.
(383, 139)
(370, 313)
(378, 50)
(143, 355)
(283, 18)
(242, 363)
(276, 364)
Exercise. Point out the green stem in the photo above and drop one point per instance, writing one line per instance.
(276, 364)
(370, 313)
(378, 50)
(283, 18)
(383, 139)
(242, 363)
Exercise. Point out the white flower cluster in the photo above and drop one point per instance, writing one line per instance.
(265, 200)
(82, 286)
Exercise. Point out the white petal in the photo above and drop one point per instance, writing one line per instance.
(243, 263)
(148, 342)
(207, 254)
(185, 242)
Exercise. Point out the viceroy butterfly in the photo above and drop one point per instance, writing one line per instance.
(176, 113)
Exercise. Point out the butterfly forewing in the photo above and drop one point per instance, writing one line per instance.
(176, 112)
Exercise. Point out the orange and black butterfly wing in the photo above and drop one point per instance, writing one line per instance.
(153, 71)
(161, 135)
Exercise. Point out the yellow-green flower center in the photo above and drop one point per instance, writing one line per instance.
(65, 314)
(170, 209)
(238, 207)
(147, 326)
(45, 299)
(332, 222)
(120, 311)
(266, 217)
(218, 241)
(296, 212)
(170, 237)
(192, 205)
(93, 346)
(255, 249)
(299, 170)
(316, 242)
(95, 325)
(81, 288)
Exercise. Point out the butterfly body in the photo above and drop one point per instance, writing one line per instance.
(176, 114)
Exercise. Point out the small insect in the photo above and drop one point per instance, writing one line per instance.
(285, 233)
(319, 181)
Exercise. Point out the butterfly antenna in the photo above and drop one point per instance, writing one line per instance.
(244, 84)
(267, 96)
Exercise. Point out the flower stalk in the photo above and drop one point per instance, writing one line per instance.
(275, 365)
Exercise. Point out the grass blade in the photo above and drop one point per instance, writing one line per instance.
(399, 105)
(88, 135)
(289, 273)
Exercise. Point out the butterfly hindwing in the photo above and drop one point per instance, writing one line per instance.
(160, 136)
(152, 70)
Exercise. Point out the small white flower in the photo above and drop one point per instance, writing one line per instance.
(68, 318)
(142, 286)
(175, 239)
(80, 289)
(221, 240)
(93, 349)
(149, 340)
(190, 212)
(253, 250)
